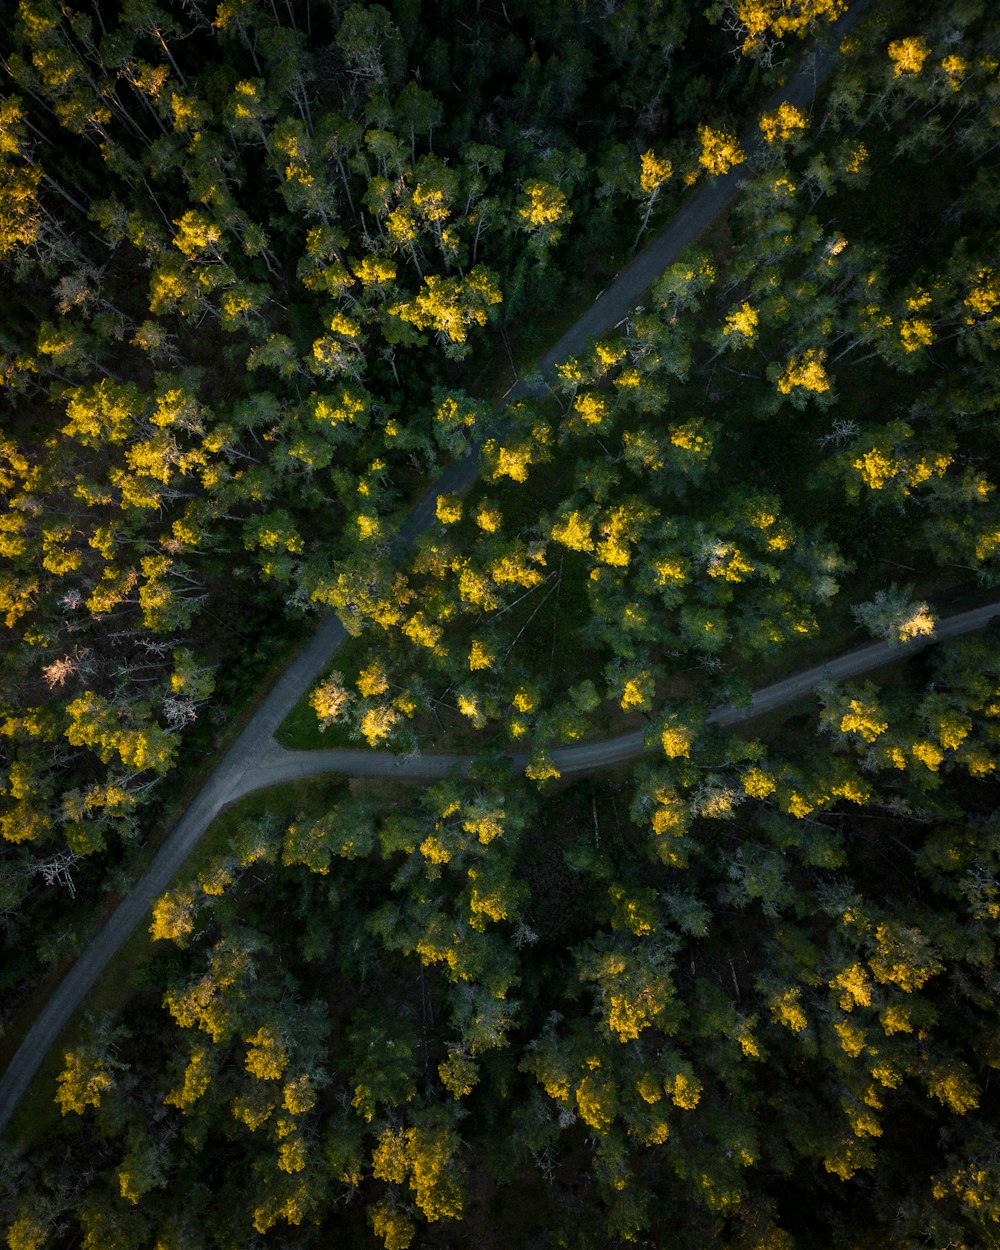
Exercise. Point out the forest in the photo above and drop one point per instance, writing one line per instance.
(270, 268)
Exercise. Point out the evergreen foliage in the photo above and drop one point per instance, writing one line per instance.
(742, 995)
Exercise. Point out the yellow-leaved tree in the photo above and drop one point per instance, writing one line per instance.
(654, 174)
(543, 211)
(451, 307)
(83, 1082)
(761, 25)
(329, 700)
(720, 150)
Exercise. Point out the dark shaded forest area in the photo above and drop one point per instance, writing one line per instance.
(269, 266)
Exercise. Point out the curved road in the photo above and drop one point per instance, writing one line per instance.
(588, 757)
(254, 759)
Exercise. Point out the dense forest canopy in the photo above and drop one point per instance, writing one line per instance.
(269, 267)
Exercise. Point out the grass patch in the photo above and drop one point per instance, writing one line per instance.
(300, 730)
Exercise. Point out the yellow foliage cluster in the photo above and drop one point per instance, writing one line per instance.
(267, 1057)
(458, 1073)
(173, 916)
(855, 162)
(196, 1080)
(975, 1186)
(638, 692)
(431, 201)
(786, 1009)
(689, 439)
(471, 707)
(573, 531)
(928, 754)
(782, 122)
(340, 323)
(488, 518)
(955, 67)
(805, 372)
(609, 354)
(485, 903)
(670, 816)
(544, 205)
(514, 569)
(596, 1103)
(619, 529)
(854, 986)
(649, 1088)
(676, 740)
(720, 150)
(448, 509)
(914, 333)
(953, 1086)
(525, 699)
(654, 172)
(877, 468)
(541, 767)
(758, 784)
(742, 322)
(853, 790)
(778, 18)
(373, 680)
(984, 297)
(514, 460)
(903, 957)
(685, 1090)
(919, 624)
(452, 418)
(627, 1016)
(671, 571)
(745, 1037)
(451, 306)
(486, 825)
(717, 802)
(862, 719)
(375, 270)
(329, 700)
(434, 850)
(908, 55)
(634, 914)
(378, 723)
(590, 408)
(422, 1156)
(81, 1083)
(953, 729)
(196, 234)
(344, 410)
(727, 561)
(299, 1095)
(477, 590)
(480, 656)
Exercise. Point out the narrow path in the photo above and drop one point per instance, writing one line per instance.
(588, 757)
(252, 755)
